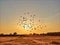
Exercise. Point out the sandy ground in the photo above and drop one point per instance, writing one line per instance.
(42, 40)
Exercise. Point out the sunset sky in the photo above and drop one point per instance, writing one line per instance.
(48, 11)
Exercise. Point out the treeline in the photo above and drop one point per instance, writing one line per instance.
(34, 34)
(11, 34)
(52, 34)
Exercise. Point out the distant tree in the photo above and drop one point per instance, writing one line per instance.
(1, 34)
(10, 34)
(14, 33)
(34, 33)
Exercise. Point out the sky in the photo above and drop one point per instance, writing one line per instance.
(48, 11)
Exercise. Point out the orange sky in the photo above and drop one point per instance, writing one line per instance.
(48, 11)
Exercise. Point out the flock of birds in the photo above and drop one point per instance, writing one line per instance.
(29, 22)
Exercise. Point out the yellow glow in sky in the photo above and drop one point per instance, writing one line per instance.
(48, 11)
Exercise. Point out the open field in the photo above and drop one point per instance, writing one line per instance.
(35, 40)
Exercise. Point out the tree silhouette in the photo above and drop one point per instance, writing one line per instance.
(1, 34)
(10, 34)
(14, 33)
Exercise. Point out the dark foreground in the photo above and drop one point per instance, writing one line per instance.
(35, 40)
